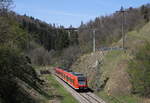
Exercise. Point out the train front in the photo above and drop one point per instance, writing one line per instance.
(82, 82)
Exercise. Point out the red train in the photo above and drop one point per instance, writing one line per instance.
(76, 80)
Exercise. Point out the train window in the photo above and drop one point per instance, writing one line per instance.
(68, 79)
(82, 80)
(72, 80)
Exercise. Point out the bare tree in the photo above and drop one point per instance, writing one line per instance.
(5, 6)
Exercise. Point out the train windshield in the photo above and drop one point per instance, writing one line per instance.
(82, 80)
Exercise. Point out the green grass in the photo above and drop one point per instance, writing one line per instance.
(57, 91)
(66, 96)
(122, 99)
(37, 67)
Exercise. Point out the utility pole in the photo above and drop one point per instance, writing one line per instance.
(69, 34)
(123, 34)
(93, 41)
(122, 11)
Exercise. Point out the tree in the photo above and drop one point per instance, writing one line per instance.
(139, 70)
(145, 13)
(5, 6)
(15, 68)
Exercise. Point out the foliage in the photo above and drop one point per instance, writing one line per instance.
(47, 35)
(14, 67)
(11, 34)
(5, 6)
(139, 70)
(69, 56)
(145, 12)
(40, 56)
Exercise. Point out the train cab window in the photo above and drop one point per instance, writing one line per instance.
(82, 80)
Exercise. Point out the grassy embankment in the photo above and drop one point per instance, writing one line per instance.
(57, 92)
(116, 66)
(114, 59)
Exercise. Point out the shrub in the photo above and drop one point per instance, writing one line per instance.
(69, 56)
(40, 56)
(14, 67)
(140, 71)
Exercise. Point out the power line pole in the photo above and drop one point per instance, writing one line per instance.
(123, 34)
(122, 11)
(94, 41)
(69, 34)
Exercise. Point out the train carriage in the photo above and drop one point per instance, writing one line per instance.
(74, 79)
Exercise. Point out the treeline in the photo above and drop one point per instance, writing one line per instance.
(108, 28)
(56, 40)
(50, 36)
(46, 42)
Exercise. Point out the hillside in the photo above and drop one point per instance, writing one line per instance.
(111, 75)
(27, 43)
(19, 82)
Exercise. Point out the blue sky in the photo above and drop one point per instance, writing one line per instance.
(71, 12)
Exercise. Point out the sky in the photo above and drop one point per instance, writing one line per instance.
(72, 12)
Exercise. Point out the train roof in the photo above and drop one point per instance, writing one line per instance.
(73, 73)
(77, 74)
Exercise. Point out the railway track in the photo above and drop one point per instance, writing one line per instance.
(82, 97)
(92, 98)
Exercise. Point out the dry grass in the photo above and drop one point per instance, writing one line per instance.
(119, 83)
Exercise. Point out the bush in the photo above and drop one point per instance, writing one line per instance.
(40, 56)
(14, 67)
(69, 56)
(140, 71)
